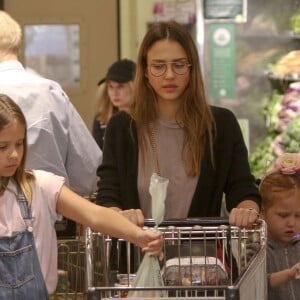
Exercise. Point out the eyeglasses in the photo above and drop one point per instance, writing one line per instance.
(178, 67)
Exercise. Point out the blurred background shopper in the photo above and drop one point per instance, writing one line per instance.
(114, 94)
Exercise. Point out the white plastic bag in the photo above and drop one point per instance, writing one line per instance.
(158, 191)
(149, 273)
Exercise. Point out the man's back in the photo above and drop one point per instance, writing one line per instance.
(58, 139)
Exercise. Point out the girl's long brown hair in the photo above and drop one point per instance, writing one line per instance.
(195, 114)
(10, 111)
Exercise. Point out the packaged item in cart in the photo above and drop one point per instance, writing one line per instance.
(202, 270)
(63, 282)
(125, 280)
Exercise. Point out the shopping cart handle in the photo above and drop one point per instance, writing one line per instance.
(205, 221)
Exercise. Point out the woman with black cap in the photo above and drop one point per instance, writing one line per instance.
(115, 93)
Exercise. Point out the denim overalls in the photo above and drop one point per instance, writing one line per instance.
(21, 277)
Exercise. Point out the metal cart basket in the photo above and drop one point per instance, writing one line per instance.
(203, 259)
(71, 270)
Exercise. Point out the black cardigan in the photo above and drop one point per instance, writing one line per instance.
(119, 170)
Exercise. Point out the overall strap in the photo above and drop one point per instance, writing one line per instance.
(24, 207)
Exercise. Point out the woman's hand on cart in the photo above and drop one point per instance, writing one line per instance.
(244, 216)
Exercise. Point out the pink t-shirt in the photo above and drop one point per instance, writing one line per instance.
(44, 198)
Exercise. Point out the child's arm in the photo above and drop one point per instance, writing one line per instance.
(106, 220)
(278, 278)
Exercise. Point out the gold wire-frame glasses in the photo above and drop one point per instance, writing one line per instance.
(178, 67)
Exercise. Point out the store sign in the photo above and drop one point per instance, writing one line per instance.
(225, 10)
(182, 12)
(222, 61)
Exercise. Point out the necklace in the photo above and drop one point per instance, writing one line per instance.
(154, 149)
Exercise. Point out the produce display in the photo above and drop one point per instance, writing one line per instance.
(282, 114)
(288, 65)
(261, 158)
(295, 21)
(290, 138)
(260, 44)
(283, 121)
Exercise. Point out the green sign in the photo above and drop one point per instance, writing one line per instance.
(222, 61)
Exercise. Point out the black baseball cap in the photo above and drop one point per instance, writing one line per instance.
(121, 71)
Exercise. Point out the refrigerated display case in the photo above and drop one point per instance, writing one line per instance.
(236, 74)
(259, 41)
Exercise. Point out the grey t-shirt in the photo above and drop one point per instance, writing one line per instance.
(169, 140)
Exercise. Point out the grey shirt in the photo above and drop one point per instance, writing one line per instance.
(279, 258)
(169, 140)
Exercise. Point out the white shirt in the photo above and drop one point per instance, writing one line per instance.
(43, 207)
(58, 139)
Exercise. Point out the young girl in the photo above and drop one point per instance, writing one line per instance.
(174, 132)
(30, 203)
(280, 190)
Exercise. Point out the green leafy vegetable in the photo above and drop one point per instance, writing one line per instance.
(291, 136)
(295, 21)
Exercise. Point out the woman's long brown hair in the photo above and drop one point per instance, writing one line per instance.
(194, 113)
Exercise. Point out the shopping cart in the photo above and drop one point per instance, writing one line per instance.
(203, 259)
(71, 270)
(72, 261)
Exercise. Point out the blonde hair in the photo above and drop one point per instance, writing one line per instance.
(10, 35)
(105, 108)
(10, 111)
(194, 113)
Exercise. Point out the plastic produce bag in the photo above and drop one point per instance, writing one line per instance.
(158, 191)
(149, 273)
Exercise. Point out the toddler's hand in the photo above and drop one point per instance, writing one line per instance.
(295, 270)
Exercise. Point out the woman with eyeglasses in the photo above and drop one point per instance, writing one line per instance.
(172, 131)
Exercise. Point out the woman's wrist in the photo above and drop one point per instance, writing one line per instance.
(249, 204)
